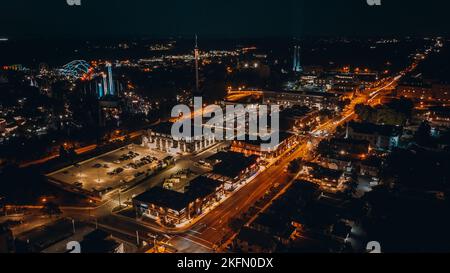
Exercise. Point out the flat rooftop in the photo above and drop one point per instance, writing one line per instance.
(282, 137)
(370, 128)
(109, 171)
(295, 112)
(254, 237)
(231, 164)
(163, 198)
(43, 237)
(199, 187)
(320, 172)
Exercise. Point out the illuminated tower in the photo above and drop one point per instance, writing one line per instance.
(297, 65)
(100, 90)
(295, 59)
(110, 80)
(105, 85)
(196, 55)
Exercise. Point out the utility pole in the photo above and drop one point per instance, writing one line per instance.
(137, 238)
(120, 203)
(196, 55)
(155, 248)
(73, 226)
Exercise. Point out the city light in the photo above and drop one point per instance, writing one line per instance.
(122, 130)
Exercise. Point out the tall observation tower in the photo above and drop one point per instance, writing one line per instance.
(196, 56)
(297, 67)
(110, 80)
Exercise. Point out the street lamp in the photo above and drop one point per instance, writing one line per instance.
(154, 242)
(90, 208)
(137, 237)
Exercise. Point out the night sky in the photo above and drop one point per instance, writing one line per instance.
(221, 18)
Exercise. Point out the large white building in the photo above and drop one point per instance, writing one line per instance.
(160, 138)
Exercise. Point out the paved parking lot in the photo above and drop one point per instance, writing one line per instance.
(111, 170)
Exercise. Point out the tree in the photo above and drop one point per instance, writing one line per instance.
(344, 103)
(423, 134)
(294, 166)
(386, 115)
(236, 224)
(352, 185)
(72, 155)
(396, 112)
(402, 105)
(62, 152)
(364, 112)
(51, 209)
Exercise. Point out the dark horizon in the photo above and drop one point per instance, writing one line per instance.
(119, 19)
